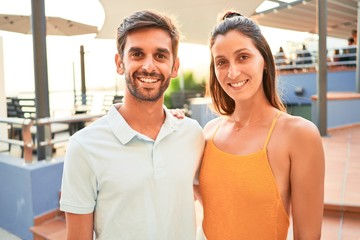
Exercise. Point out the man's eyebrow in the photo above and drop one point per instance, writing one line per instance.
(135, 49)
(160, 50)
(163, 50)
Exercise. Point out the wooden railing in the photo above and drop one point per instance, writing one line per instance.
(27, 139)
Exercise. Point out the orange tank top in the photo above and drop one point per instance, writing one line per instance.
(240, 196)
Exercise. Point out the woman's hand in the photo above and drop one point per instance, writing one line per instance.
(178, 113)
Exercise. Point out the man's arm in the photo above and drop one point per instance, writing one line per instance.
(197, 195)
(79, 226)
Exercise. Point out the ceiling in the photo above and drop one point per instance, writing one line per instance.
(196, 17)
(301, 16)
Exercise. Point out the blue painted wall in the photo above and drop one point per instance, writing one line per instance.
(339, 81)
(340, 112)
(27, 191)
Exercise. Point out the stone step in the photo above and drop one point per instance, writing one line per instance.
(54, 229)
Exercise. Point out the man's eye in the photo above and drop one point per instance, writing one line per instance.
(136, 54)
(161, 56)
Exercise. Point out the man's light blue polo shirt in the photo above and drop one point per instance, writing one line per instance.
(138, 188)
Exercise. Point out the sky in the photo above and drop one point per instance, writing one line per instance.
(64, 52)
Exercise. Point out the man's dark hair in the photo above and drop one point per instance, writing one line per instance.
(147, 19)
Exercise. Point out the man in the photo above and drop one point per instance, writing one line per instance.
(129, 175)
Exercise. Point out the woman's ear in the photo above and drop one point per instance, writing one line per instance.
(175, 68)
(119, 65)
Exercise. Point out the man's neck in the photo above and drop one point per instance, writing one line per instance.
(145, 117)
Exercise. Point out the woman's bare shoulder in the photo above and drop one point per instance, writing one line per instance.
(296, 123)
(297, 128)
(211, 126)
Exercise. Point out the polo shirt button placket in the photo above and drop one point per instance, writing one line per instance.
(158, 169)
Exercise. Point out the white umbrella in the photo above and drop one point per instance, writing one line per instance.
(54, 25)
(196, 17)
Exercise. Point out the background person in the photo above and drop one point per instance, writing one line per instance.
(354, 36)
(303, 56)
(129, 175)
(259, 161)
(280, 57)
(351, 51)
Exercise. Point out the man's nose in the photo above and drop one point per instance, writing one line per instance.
(148, 64)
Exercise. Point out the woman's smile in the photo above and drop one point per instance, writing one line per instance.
(239, 84)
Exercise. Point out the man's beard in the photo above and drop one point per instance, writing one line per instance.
(141, 93)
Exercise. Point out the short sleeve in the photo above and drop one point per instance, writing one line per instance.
(79, 188)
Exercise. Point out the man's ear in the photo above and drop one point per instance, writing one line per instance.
(175, 68)
(119, 65)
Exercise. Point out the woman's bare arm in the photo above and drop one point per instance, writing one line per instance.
(307, 180)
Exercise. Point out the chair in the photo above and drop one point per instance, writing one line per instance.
(79, 106)
(88, 99)
(180, 99)
(109, 100)
(13, 131)
(25, 108)
(11, 107)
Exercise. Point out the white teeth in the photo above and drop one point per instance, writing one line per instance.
(238, 84)
(148, 80)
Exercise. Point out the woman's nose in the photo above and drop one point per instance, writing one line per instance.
(233, 71)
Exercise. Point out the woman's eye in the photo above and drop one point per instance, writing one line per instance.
(220, 63)
(243, 57)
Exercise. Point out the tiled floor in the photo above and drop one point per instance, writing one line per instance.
(4, 235)
(342, 154)
(342, 184)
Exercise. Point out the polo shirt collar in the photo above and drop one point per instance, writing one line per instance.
(125, 133)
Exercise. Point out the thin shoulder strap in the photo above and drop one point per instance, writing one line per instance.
(271, 129)
(217, 128)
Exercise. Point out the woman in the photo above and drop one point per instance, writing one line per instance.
(260, 164)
